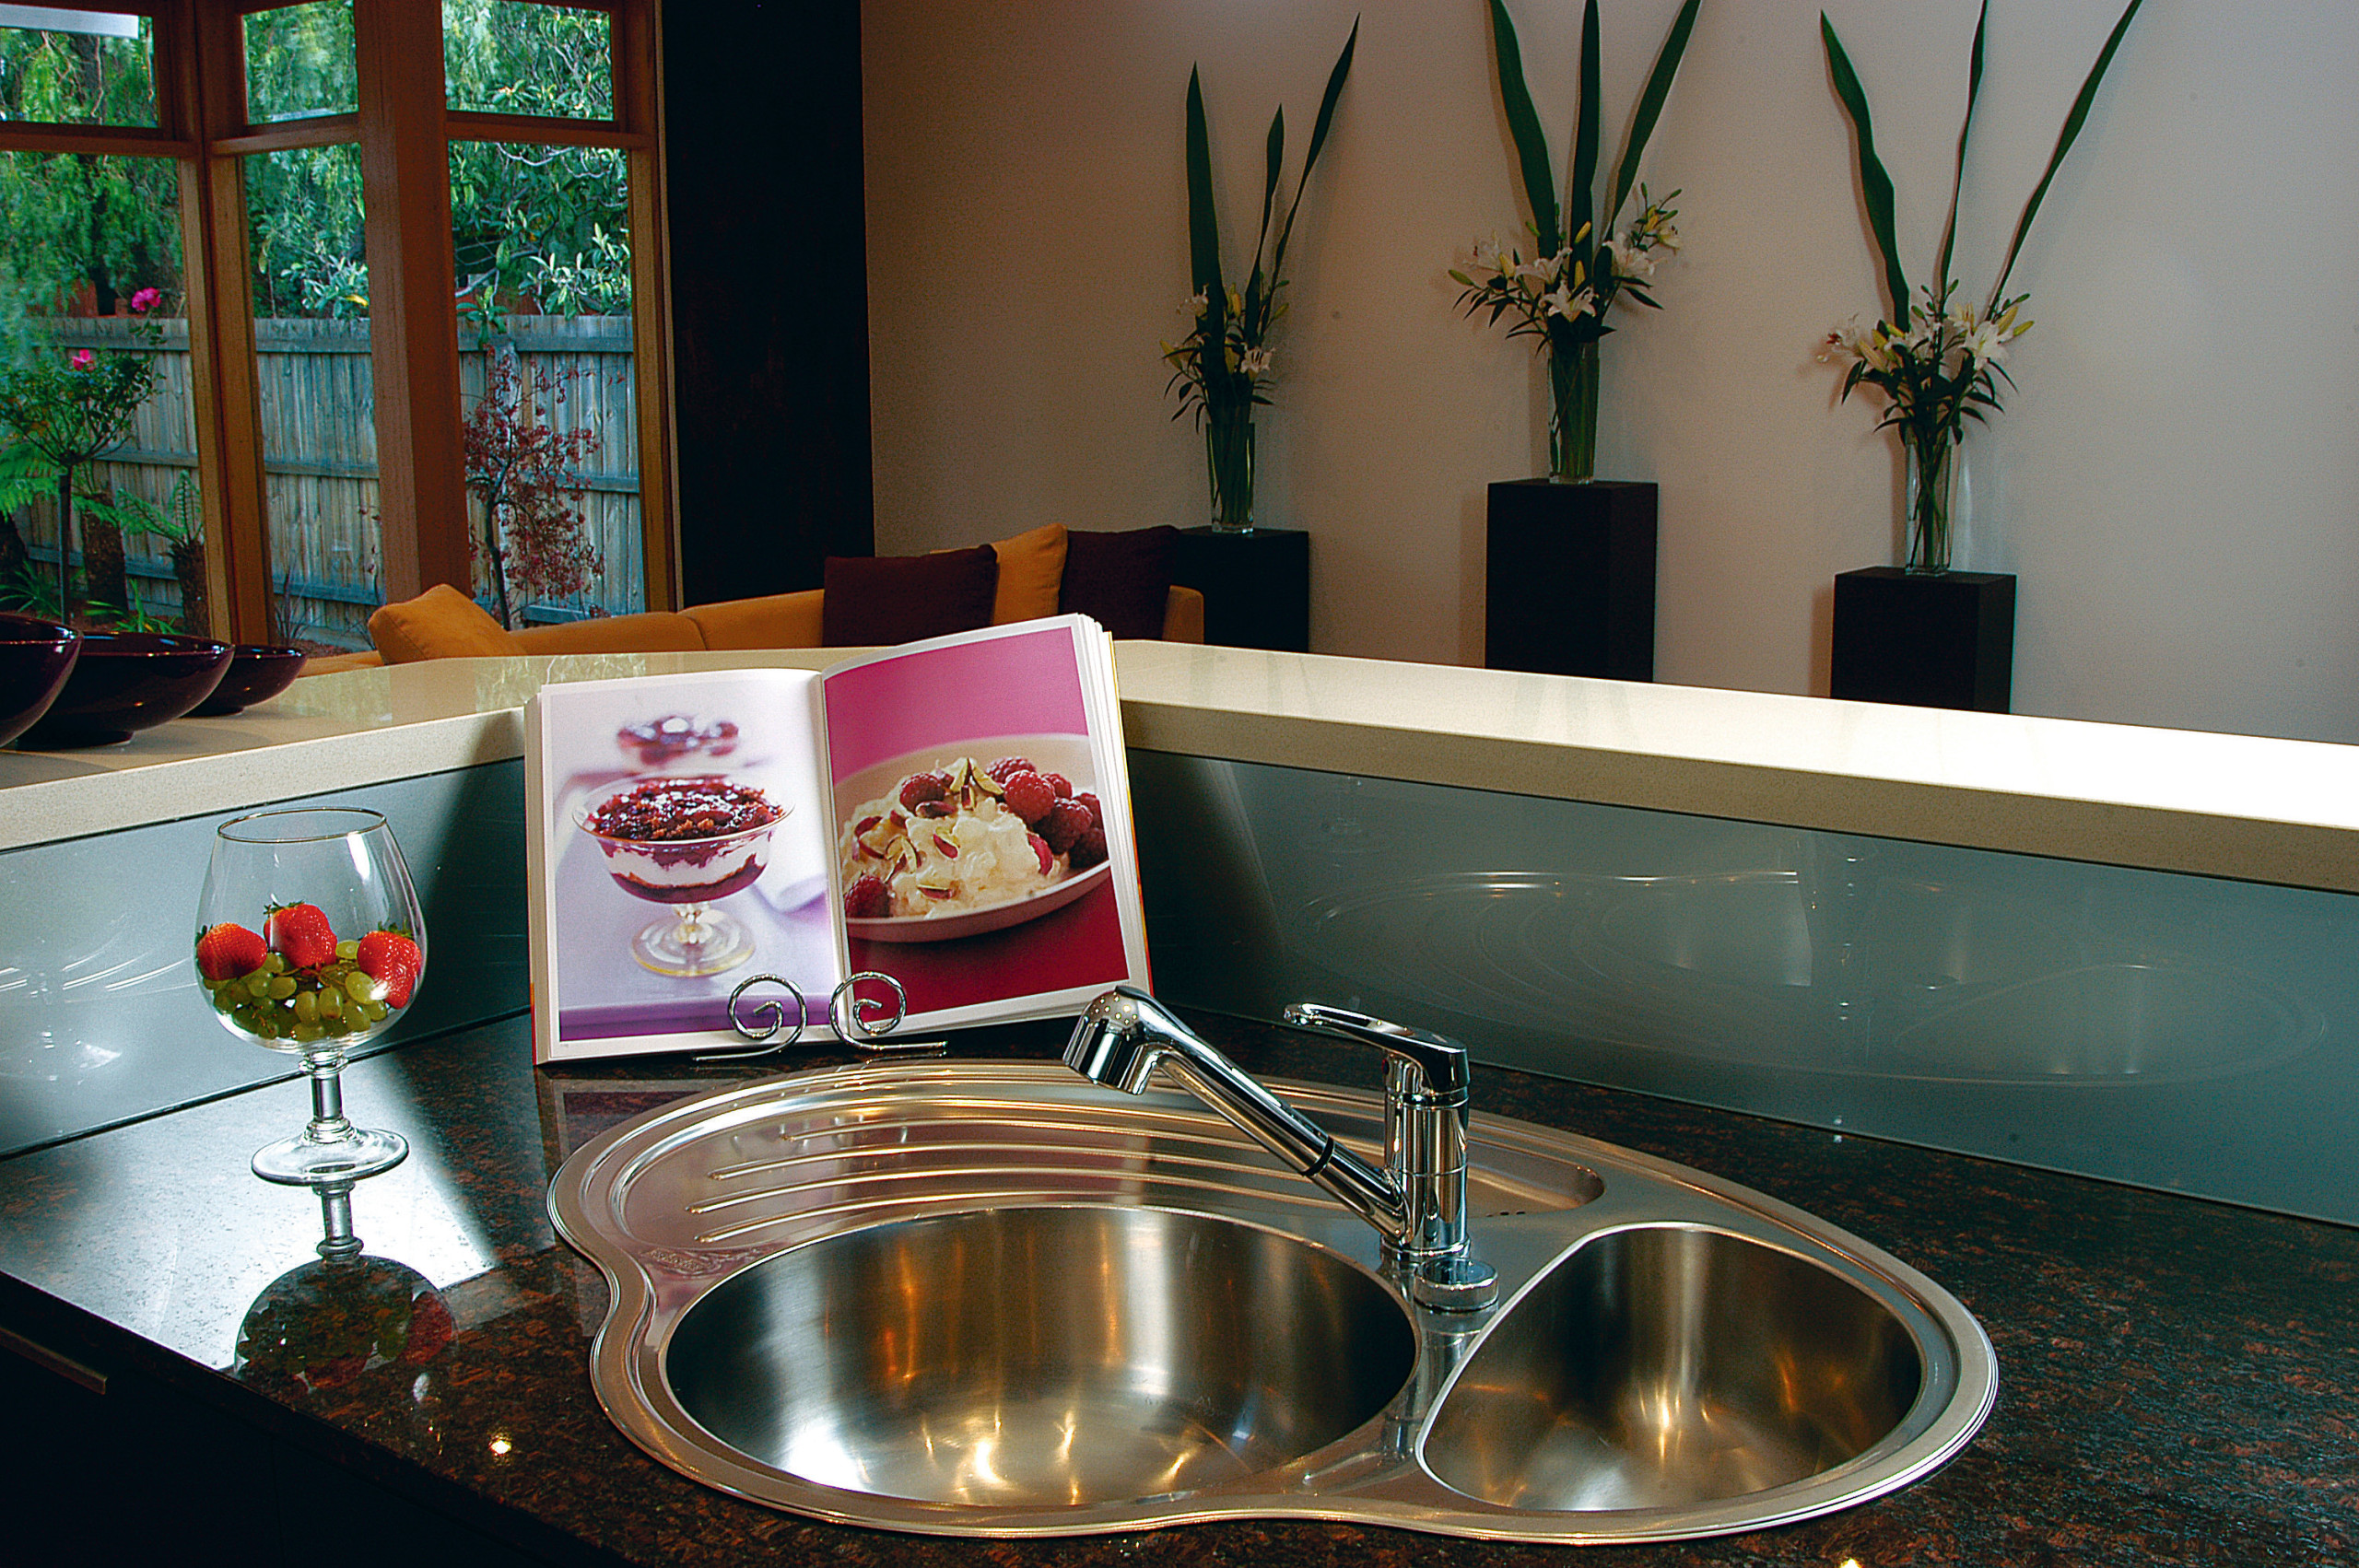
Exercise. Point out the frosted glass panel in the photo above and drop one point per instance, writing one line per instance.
(2177, 1032)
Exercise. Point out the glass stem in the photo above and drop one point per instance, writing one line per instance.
(335, 1218)
(329, 1124)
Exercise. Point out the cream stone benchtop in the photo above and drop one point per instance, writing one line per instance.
(2237, 806)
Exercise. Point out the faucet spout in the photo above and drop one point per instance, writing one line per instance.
(1125, 1035)
(1418, 1204)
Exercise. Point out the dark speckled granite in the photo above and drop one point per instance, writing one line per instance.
(2179, 1380)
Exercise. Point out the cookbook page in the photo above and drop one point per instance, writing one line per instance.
(681, 849)
(984, 855)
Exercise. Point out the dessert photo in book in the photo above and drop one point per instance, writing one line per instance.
(954, 813)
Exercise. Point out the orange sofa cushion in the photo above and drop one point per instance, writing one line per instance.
(656, 631)
(1032, 568)
(441, 623)
(775, 620)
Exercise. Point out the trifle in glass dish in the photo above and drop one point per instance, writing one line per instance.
(686, 841)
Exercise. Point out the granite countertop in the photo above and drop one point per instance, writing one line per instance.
(2176, 1382)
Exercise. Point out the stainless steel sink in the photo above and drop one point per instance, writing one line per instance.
(1040, 1357)
(990, 1299)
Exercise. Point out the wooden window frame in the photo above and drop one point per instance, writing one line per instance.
(403, 130)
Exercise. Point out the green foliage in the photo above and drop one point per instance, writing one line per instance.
(1224, 361)
(1532, 142)
(534, 227)
(1876, 183)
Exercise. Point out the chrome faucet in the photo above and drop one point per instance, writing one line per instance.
(1417, 1203)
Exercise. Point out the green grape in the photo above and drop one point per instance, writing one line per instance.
(282, 988)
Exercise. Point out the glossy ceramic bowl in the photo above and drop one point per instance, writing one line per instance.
(35, 659)
(126, 682)
(257, 672)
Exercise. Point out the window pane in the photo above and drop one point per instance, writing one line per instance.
(300, 61)
(543, 243)
(94, 72)
(516, 57)
(94, 394)
(319, 439)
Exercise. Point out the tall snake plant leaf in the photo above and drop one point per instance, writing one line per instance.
(1273, 154)
(1650, 101)
(2072, 124)
(1523, 124)
(1876, 186)
(1318, 140)
(1581, 194)
(1204, 226)
(1966, 128)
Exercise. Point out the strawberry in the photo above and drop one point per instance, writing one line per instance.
(300, 933)
(392, 961)
(228, 950)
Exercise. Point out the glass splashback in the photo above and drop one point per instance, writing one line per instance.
(2178, 1032)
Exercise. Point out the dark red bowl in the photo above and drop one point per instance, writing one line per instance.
(35, 659)
(257, 671)
(126, 682)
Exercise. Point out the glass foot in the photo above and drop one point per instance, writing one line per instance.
(704, 942)
(305, 1161)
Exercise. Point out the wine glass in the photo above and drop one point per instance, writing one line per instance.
(310, 941)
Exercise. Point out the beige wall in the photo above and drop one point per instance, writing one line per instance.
(2174, 482)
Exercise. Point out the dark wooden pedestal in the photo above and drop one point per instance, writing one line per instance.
(1945, 641)
(1256, 585)
(1571, 579)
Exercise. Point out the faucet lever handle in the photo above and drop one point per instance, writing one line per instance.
(1437, 1058)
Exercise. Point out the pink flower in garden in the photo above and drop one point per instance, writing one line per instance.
(146, 300)
(83, 359)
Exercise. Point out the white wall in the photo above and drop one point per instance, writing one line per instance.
(2174, 481)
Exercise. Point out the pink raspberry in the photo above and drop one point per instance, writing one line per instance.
(1007, 765)
(1089, 849)
(1097, 814)
(1028, 796)
(1066, 822)
(1040, 848)
(919, 788)
(868, 899)
(1060, 784)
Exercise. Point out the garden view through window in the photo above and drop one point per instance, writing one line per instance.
(99, 418)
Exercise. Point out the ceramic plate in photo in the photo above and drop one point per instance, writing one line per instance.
(1065, 755)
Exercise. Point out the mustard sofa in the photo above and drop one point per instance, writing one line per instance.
(444, 623)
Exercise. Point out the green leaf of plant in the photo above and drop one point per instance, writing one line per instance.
(2072, 124)
(1273, 154)
(1523, 124)
(1973, 90)
(1335, 78)
(1203, 226)
(1876, 186)
(1650, 101)
(1580, 196)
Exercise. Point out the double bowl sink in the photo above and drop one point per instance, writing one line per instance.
(990, 1299)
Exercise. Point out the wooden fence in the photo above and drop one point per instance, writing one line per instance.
(320, 458)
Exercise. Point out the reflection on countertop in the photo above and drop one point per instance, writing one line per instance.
(2172, 1383)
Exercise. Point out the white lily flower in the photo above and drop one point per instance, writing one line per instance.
(1630, 257)
(1255, 362)
(1571, 303)
(1193, 305)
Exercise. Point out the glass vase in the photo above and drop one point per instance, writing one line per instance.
(1930, 496)
(1228, 456)
(1572, 412)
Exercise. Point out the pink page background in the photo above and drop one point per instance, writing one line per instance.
(1027, 684)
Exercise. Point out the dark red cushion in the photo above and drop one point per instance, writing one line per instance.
(872, 601)
(1120, 580)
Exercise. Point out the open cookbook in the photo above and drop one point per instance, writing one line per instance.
(954, 813)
